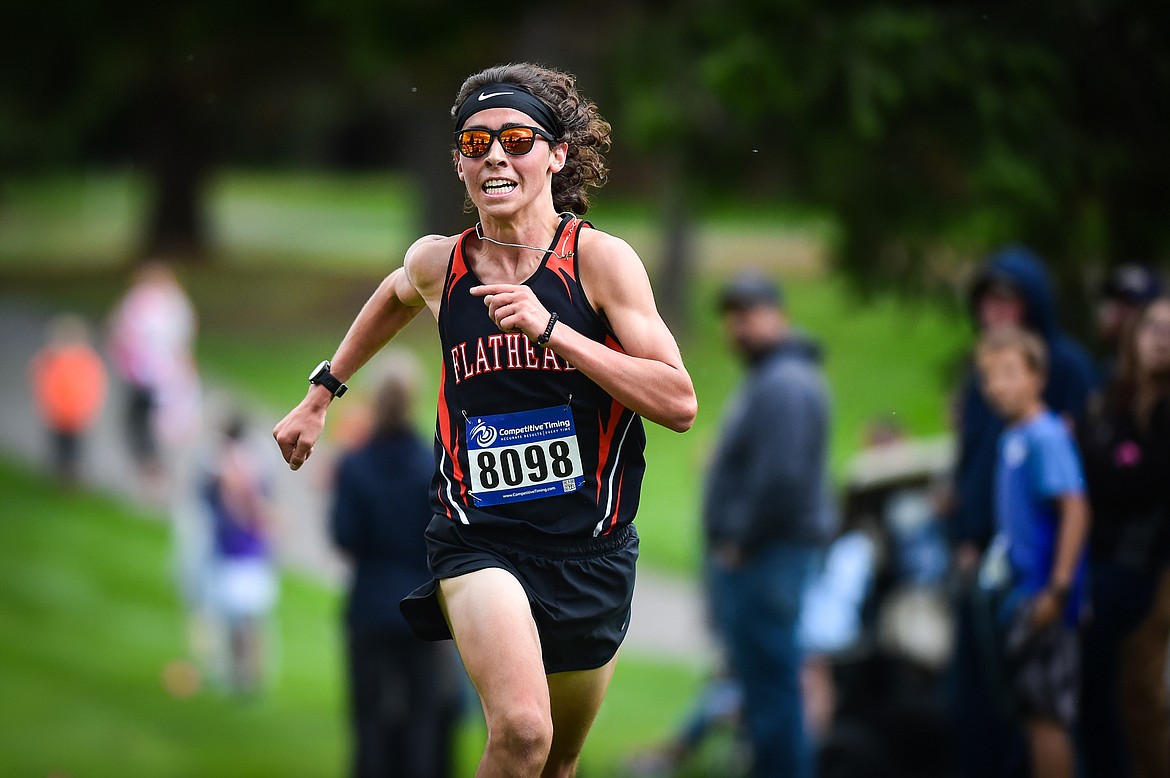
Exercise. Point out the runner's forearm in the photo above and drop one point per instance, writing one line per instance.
(655, 390)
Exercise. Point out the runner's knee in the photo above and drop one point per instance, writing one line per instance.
(524, 734)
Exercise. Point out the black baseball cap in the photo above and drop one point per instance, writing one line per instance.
(749, 289)
(1131, 282)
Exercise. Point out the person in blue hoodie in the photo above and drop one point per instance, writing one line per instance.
(1012, 288)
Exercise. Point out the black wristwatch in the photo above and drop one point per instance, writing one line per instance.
(322, 376)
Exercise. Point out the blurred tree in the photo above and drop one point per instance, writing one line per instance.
(179, 88)
(416, 53)
(166, 86)
(681, 123)
(929, 128)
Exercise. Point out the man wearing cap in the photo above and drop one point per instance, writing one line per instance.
(768, 515)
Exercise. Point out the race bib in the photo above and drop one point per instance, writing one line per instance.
(523, 456)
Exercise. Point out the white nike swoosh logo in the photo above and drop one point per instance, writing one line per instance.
(485, 96)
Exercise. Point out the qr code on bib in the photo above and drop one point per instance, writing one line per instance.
(569, 484)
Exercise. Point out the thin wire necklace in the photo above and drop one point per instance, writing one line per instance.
(479, 234)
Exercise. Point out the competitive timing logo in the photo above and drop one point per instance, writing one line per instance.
(483, 434)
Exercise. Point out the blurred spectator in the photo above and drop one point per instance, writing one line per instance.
(152, 333)
(830, 623)
(1124, 292)
(768, 515)
(1037, 566)
(852, 660)
(718, 708)
(242, 584)
(829, 626)
(1011, 289)
(1126, 446)
(404, 692)
(69, 385)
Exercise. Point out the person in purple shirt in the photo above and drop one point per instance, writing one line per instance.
(242, 582)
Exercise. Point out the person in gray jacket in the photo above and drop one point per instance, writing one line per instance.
(768, 515)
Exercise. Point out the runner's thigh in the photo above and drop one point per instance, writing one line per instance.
(492, 623)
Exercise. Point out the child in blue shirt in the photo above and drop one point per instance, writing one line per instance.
(1042, 520)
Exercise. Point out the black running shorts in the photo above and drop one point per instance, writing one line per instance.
(580, 591)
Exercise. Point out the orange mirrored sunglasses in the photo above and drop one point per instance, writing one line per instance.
(516, 140)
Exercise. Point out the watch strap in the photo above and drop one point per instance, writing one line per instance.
(322, 377)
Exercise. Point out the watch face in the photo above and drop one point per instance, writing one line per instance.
(322, 377)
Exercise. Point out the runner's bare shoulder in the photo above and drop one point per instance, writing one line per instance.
(610, 268)
(426, 265)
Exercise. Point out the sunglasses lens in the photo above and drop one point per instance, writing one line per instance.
(517, 140)
(474, 143)
(514, 140)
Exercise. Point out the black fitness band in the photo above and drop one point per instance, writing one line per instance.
(543, 339)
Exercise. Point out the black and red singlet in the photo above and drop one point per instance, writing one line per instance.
(524, 440)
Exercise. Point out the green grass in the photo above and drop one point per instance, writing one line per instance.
(366, 219)
(89, 618)
(93, 219)
(89, 218)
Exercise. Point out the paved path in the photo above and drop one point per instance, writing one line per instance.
(667, 619)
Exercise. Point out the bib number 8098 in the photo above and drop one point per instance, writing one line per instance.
(531, 464)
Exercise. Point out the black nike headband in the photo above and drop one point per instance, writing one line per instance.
(508, 96)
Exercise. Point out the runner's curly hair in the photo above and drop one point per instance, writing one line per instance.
(583, 128)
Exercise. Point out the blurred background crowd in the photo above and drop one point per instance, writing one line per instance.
(195, 200)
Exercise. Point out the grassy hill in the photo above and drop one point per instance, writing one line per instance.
(90, 620)
(91, 626)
